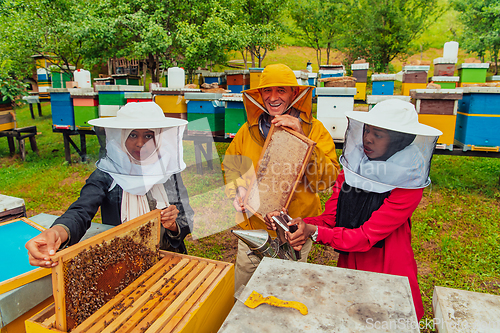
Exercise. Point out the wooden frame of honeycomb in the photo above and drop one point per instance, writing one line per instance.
(282, 163)
(164, 298)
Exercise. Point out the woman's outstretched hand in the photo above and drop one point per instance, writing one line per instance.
(41, 247)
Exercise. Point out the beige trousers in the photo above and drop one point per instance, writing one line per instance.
(245, 267)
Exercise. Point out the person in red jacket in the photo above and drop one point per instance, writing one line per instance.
(386, 162)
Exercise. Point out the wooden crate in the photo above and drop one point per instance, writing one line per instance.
(282, 163)
(179, 293)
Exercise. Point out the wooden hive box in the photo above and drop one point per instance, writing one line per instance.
(179, 293)
(282, 163)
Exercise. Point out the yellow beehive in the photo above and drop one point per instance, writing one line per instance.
(171, 103)
(445, 123)
(360, 91)
(406, 87)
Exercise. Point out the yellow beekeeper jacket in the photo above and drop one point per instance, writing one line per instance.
(244, 151)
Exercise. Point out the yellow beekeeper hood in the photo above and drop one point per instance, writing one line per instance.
(277, 75)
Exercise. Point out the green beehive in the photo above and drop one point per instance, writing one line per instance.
(85, 113)
(59, 79)
(473, 73)
(214, 122)
(112, 98)
(235, 118)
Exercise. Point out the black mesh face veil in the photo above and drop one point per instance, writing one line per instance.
(404, 161)
(398, 141)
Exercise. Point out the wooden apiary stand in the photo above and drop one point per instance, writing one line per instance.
(287, 152)
(180, 293)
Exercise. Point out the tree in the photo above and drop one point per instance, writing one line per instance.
(50, 28)
(481, 20)
(319, 23)
(261, 22)
(205, 43)
(380, 31)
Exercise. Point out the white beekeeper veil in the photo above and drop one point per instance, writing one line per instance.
(156, 164)
(387, 148)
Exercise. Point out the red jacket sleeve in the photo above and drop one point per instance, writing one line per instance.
(394, 212)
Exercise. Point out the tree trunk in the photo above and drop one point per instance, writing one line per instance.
(318, 57)
(110, 66)
(144, 72)
(157, 69)
(261, 59)
(252, 55)
(328, 48)
(244, 58)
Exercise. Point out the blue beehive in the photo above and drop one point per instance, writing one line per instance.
(383, 84)
(215, 77)
(63, 116)
(478, 119)
(237, 88)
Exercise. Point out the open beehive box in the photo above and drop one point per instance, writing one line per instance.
(282, 163)
(118, 281)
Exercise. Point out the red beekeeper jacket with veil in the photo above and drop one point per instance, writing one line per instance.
(389, 222)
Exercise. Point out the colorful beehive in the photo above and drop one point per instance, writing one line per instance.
(172, 101)
(63, 115)
(446, 82)
(415, 74)
(59, 79)
(198, 77)
(371, 100)
(472, 73)
(444, 67)
(302, 77)
(360, 72)
(11, 208)
(414, 77)
(85, 105)
(126, 79)
(7, 115)
(312, 80)
(326, 71)
(255, 74)
(215, 77)
(205, 113)
(237, 80)
(478, 119)
(333, 102)
(112, 97)
(438, 108)
(360, 91)
(138, 97)
(383, 84)
(235, 114)
(333, 67)
(103, 81)
(493, 79)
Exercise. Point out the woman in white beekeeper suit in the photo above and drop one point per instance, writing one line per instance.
(386, 161)
(139, 173)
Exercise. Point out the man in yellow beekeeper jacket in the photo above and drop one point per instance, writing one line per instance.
(281, 101)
